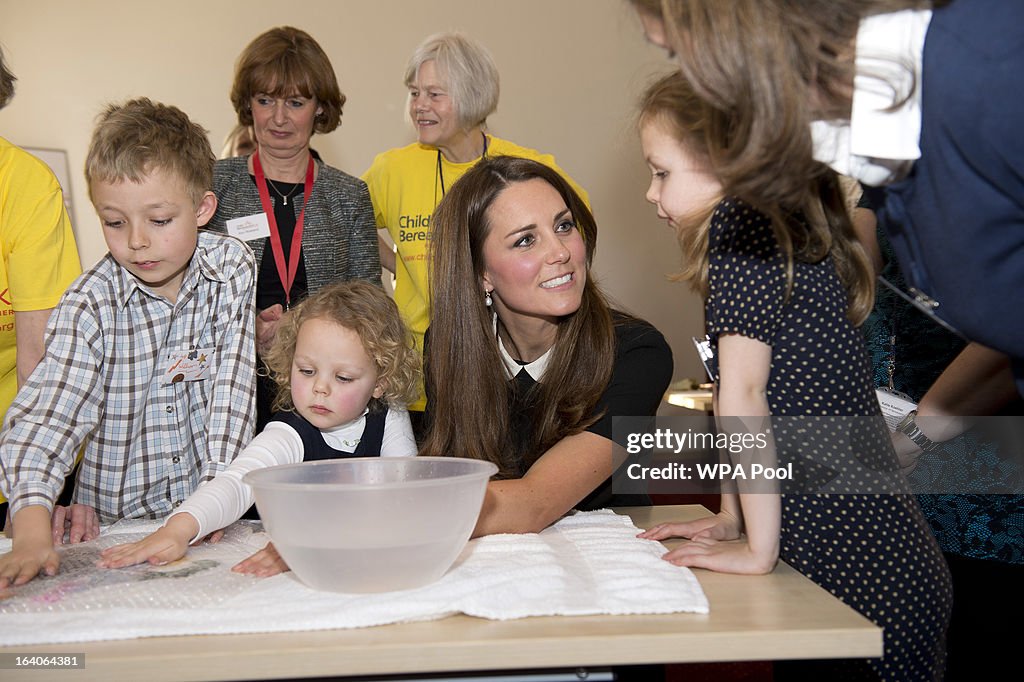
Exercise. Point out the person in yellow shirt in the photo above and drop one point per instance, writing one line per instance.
(453, 88)
(38, 258)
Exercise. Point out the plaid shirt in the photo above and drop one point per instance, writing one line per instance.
(148, 443)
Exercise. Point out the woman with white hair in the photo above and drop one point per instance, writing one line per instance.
(453, 88)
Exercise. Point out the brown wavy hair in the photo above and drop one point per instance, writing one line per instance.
(369, 312)
(817, 227)
(282, 62)
(469, 394)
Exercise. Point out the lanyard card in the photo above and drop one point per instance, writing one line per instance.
(895, 406)
(188, 365)
(249, 227)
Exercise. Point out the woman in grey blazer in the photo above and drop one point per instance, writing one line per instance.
(309, 224)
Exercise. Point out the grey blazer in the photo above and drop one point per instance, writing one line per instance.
(339, 236)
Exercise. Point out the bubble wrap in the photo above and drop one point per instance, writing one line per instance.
(201, 578)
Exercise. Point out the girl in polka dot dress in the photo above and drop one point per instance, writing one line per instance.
(782, 297)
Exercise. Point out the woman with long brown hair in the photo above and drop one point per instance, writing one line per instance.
(526, 364)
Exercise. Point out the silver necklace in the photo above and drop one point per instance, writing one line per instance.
(284, 197)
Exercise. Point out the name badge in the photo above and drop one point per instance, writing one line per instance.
(895, 406)
(249, 227)
(188, 365)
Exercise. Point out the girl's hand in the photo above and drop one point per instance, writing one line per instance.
(162, 546)
(721, 526)
(213, 538)
(263, 564)
(735, 556)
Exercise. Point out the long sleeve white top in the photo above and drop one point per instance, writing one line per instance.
(224, 500)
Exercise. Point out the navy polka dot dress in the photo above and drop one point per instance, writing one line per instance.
(872, 551)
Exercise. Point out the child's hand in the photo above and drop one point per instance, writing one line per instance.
(734, 556)
(263, 564)
(25, 562)
(721, 526)
(32, 550)
(162, 546)
(159, 548)
(79, 521)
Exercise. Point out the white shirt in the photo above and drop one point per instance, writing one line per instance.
(877, 145)
(535, 369)
(223, 500)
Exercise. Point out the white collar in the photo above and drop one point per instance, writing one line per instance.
(535, 369)
(877, 145)
(346, 437)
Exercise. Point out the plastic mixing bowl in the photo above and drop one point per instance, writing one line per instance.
(371, 524)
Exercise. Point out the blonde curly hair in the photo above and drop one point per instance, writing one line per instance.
(369, 312)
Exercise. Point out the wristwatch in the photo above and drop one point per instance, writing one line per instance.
(912, 431)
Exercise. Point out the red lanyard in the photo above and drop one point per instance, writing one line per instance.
(286, 271)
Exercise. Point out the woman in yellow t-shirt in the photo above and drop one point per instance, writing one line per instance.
(38, 258)
(453, 88)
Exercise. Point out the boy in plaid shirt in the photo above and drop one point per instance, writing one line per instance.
(150, 354)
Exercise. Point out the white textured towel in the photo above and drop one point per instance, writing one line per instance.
(587, 563)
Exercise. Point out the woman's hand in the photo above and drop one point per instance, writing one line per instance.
(267, 323)
(721, 526)
(907, 452)
(263, 564)
(556, 482)
(78, 521)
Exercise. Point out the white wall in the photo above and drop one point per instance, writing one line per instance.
(571, 72)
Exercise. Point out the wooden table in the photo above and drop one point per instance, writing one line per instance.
(695, 399)
(777, 616)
